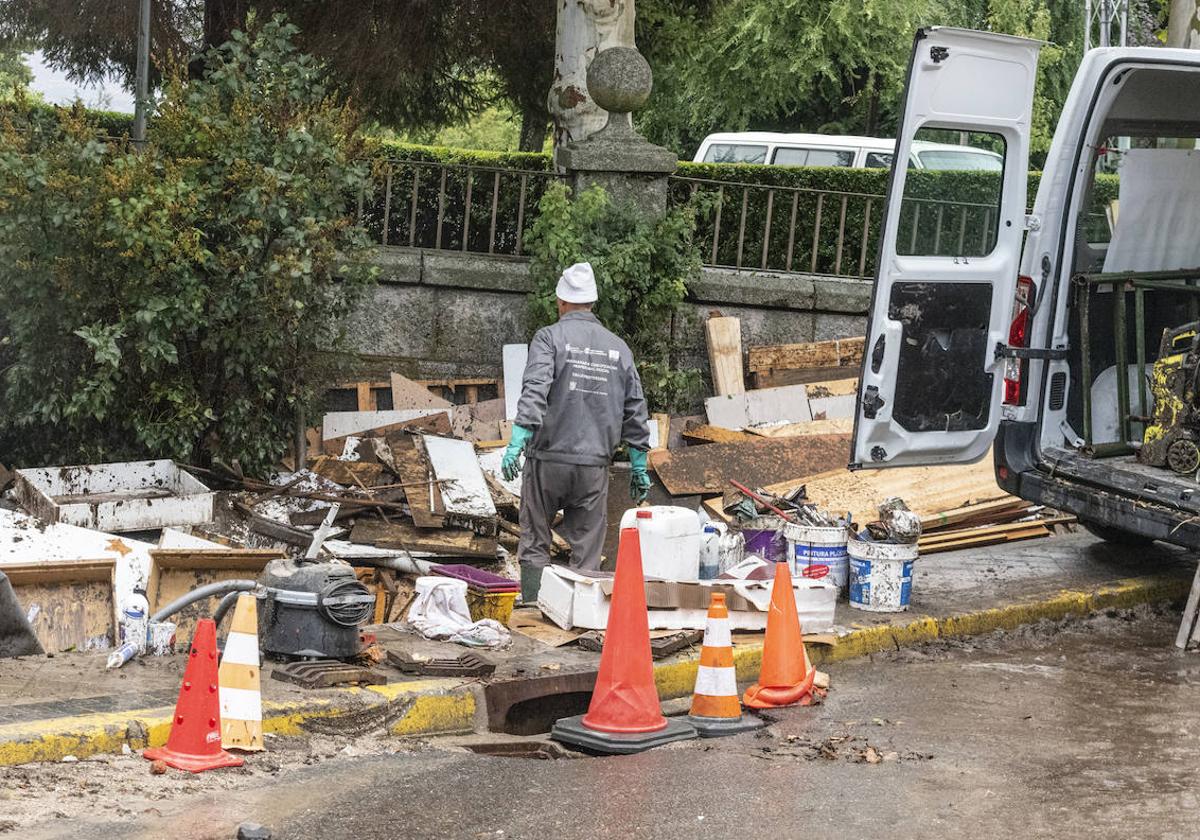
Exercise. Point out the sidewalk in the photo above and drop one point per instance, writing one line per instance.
(69, 705)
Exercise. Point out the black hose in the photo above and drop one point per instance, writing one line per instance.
(225, 606)
(202, 592)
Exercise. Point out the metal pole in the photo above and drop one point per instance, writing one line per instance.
(142, 94)
(1087, 25)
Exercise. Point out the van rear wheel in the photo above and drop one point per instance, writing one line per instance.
(1115, 535)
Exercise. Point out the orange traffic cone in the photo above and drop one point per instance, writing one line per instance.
(716, 709)
(195, 740)
(787, 676)
(624, 715)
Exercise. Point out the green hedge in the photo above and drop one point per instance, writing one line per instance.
(45, 117)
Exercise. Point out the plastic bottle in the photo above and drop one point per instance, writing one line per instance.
(710, 552)
(135, 618)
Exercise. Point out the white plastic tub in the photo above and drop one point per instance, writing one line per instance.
(818, 551)
(881, 575)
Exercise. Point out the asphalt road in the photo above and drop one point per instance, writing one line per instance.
(1086, 729)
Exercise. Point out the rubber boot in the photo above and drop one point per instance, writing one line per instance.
(531, 584)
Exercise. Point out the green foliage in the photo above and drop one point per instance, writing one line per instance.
(642, 269)
(15, 74)
(45, 117)
(495, 128)
(175, 302)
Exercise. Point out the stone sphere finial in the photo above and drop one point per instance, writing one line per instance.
(619, 79)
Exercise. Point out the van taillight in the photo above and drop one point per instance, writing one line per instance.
(1018, 336)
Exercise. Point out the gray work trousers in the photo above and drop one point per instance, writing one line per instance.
(581, 493)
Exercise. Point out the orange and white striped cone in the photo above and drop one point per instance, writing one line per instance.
(238, 678)
(716, 707)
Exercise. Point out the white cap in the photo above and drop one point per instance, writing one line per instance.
(577, 284)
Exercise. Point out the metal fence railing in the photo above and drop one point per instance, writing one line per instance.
(425, 204)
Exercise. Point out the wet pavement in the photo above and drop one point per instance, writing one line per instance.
(1084, 728)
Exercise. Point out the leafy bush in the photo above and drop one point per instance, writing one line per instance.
(174, 302)
(642, 268)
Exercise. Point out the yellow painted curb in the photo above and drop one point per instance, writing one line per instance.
(443, 706)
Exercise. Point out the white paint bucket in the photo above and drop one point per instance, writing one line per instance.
(880, 575)
(818, 552)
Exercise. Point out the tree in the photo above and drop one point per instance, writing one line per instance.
(178, 301)
(406, 63)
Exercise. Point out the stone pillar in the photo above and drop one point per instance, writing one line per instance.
(632, 170)
(585, 28)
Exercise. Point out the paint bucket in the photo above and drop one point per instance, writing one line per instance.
(764, 538)
(818, 551)
(880, 574)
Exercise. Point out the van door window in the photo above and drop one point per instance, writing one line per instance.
(951, 213)
(735, 153)
(792, 156)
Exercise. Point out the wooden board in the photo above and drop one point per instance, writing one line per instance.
(998, 510)
(837, 352)
(445, 542)
(424, 503)
(714, 434)
(69, 602)
(433, 424)
(1032, 530)
(757, 462)
(409, 394)
(177, 571)
(845, 386)
(528, 621)
(924, 489)
(724, 337)
(842, 426)
(800, 376)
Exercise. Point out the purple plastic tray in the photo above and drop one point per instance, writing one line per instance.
(478, 578)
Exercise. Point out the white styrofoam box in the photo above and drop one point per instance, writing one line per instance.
(556, 596)
(514, 358)
(670, 539)
(575, 600)
(130, 496)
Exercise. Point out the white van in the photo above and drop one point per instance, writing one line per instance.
(1036, 338)
(831, 150)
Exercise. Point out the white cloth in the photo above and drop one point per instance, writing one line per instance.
(440, 612)
(1158, 219)
(577, 284)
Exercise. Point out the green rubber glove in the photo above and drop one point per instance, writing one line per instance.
(639, 480)
(511, 465)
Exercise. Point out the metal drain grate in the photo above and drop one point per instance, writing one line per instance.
(326, 673)
(466, 665)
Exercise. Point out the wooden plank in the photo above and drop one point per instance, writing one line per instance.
(528, 621)
(446, 542)
(365, 396)
(799, 376)
(987, 539)
(925, 490)
(837, 352)
(995, 507)
(663, 424)
(844, 386)
(424, 502)
(724, 338)
(840, 426)
(708, 468)
(940, 537)
(432, 424)
(466, 499)
(348, 473)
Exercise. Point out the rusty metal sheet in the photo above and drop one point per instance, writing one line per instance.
(708, 468)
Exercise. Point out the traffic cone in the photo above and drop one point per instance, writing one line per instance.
(238, 677)
(716, 709)
(787, 676)
(624, 715)
(195, 740)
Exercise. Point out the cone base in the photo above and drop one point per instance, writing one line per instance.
(572, 731)
(192, 763)
(711, 727)
(772, 697)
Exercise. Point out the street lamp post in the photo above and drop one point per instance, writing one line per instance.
(142, 94)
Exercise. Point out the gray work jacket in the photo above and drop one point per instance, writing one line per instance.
(581, 394)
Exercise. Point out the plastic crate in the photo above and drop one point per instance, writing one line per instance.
(494, 605)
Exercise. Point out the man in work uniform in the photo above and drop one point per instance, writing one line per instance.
(580, 397)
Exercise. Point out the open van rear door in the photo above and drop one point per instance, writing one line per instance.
(931, 383)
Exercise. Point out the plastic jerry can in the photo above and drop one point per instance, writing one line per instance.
(670, 538)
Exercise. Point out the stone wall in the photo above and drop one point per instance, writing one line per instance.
(443, 314)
